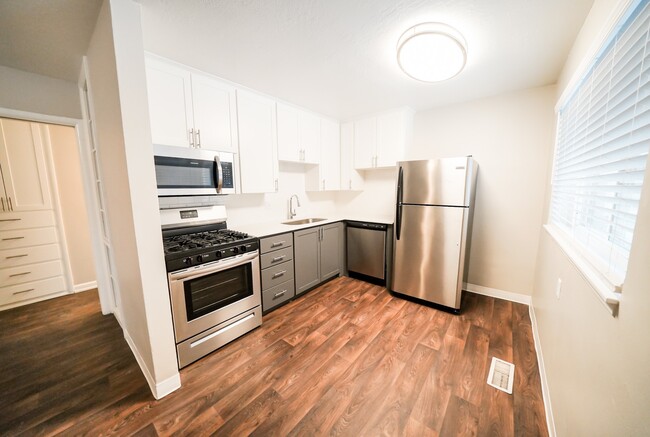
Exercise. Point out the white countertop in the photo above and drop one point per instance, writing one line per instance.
(264, 229)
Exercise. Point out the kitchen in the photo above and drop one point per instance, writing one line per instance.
(513, 252)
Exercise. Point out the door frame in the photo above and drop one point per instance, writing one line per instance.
(106, 299)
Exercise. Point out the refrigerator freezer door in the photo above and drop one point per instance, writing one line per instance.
(437, 181)
(427, 257)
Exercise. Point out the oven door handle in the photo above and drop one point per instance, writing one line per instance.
(212, 268)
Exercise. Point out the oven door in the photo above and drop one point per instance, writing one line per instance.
(205, 296)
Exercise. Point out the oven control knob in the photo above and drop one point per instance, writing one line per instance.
(187, 261)
(218, 254)
(242, 249)
(199, 258)
(235, 250)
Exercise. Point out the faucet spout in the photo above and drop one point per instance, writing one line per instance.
(292, 208)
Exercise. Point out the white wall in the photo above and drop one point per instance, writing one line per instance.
(597, 366)
(31, 92)
(67, 166)
(118, 92)
(511, 137)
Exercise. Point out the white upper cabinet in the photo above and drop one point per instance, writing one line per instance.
(188, 108)
(258, 165)
(327, 175)
(23, 176)
(351, 180)
(380, 141)
(298, 135)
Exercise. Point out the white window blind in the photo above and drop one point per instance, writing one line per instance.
(602, 146)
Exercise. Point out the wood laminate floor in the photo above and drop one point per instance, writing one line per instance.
(346, 359)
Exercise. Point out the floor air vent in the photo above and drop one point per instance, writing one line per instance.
(501, 375)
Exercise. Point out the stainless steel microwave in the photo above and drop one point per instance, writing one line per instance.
(193, 172)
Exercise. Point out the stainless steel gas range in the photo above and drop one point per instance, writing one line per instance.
(214, 280)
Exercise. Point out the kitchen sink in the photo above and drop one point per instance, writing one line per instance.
(304, 221)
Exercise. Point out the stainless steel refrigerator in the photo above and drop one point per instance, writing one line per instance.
(435, 205)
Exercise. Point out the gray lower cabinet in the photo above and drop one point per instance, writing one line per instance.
(317, 255)
(276, 263)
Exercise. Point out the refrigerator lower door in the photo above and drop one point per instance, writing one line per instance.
(427, 257)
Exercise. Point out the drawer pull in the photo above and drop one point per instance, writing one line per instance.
(12, 238)
(19, 274)
(278, 274)
(276, 295)
(24, 291)
(278, 243)
(15, 256)
(278, 258)
(10, 220)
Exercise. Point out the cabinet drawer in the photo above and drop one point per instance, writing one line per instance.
(278, 294)
(277, 274)
(31, 290)
(276, 242)
(276, 257)
(30, 272)
(27, 237)
(25, 220)
(28, 255)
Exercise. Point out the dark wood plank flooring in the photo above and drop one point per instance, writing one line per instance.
(346, 359)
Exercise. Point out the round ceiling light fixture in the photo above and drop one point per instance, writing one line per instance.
(431, 52)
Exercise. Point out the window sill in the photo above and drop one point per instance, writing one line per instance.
(607, 292)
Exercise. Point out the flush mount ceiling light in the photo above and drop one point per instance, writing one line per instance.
(431, 52)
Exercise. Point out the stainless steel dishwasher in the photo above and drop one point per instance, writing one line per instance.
(366, 251)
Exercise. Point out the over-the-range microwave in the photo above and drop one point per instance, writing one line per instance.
(193, 172)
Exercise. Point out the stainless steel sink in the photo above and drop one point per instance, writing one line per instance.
(304, 221)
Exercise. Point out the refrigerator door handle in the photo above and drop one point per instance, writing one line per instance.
(398, 209)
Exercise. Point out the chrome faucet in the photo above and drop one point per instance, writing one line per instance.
(292, 209)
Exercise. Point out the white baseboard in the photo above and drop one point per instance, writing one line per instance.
(499, 294)
(84, 286)
(160, 389)
(550, 422)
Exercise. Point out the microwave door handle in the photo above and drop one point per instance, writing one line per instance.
(219, 173)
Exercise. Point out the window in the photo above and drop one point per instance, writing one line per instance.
(601, 151)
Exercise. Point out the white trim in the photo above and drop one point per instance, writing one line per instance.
(39, 118)
(161, 389)
(550, 421)
(499, 294)
(606, 295)
(596, 45)
(84, 286)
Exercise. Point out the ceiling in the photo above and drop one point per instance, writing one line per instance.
(336, 57)
(46, 37)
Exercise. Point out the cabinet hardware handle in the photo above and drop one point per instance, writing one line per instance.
(350, 183)
(24, 291)
(276, 295)
(16, 256)
(19, 274)
(198, 138)
(10, 220)
(11, 206)
(12, 238)
(278, 258)
(277, 243)
(276, 185)
(3, 203)
(192, 137)
(323, 184)
(278, 274)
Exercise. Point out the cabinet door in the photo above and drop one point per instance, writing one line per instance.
(288, 149)
(169, 91)
(330, 250)
(307, 259)
(214, 109)
(330, 155)
(22, 164)
(309, 136)
(350, 178)
(365, 142)
(257, 143)
(390, 139)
